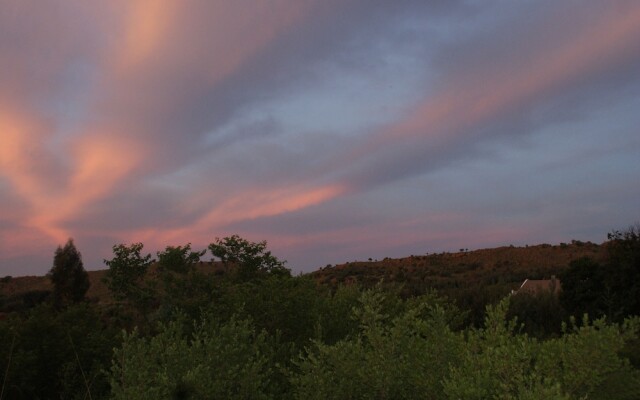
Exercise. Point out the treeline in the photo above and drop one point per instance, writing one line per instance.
(248, 329)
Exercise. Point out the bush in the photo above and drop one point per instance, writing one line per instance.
(401, 357)
(217, 361)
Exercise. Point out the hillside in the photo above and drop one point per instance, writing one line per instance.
(502, 266)
(498, 269)
(25, 290)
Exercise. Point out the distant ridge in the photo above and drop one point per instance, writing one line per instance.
(504, 266)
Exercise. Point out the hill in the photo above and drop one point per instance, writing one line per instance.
(472, 279)
(496, 270)
(24, 291)
(486, 267)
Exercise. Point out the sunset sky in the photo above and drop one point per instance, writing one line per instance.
(336, 130)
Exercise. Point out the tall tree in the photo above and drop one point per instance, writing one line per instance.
(69, 278)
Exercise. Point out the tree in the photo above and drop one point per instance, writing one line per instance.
(624, 270)
(250, 259)
(56, 355)
(611, 288)
(181, 282)
(125, 275)
(69, 278)
(624, 247)
(179, 259)
(585, 288)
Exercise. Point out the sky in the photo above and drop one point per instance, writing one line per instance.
(336, 130)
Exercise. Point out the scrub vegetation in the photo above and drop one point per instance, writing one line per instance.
(442, 326)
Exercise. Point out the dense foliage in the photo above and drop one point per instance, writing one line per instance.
(246, 329)
(49, 353)
(611, 288)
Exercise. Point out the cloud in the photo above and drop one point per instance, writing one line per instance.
(307, 122)
(474, 106)
(171, 76)
(251, 204)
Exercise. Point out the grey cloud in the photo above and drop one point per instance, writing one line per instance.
(206, 141)
(311, 220)
(178, 108)
(139, 207)
(572, 99)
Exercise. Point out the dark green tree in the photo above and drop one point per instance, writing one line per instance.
(69, 278)
(125, 276)
(624, 270)
(624, 247)
(540, 315)
(611, 288)
(179, 259)
(250, 260)
(585, 288)
(181, 282)
(56, 354)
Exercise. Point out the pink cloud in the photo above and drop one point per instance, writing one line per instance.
(19, 153)
(206, 44)
(465, 103)
(246, 205)
(146, 24)
(162, 45)
(157, 78)
(97, 164)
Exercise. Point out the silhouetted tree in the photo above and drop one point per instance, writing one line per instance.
(126, 270)
(624, 270)
(611, 288)
(585, 288)
(182, 283)
(179, 259)
(69, 278)
(251, 260)
(125, 277)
